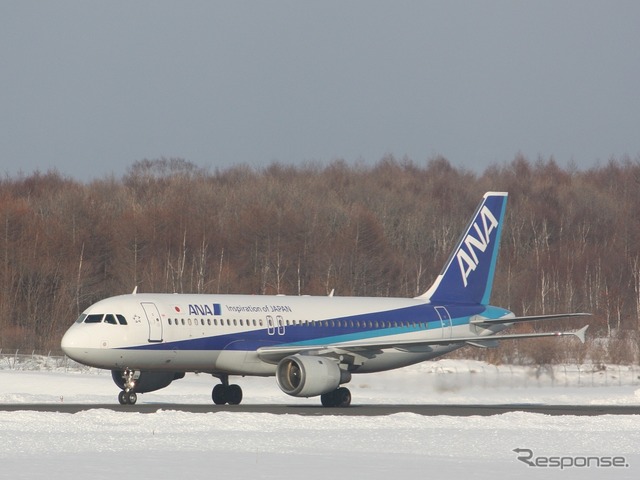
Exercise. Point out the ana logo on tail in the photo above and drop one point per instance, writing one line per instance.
(468, 259)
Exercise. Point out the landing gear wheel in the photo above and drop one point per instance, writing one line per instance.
(234, 394)
(127, 398)
(338, 398)
(219, 394)
(343, 397)
(222, 394)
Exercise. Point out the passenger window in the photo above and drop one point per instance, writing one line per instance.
(96, 318)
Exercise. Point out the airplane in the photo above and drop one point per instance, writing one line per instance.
(311, 344)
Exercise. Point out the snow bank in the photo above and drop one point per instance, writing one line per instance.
(101, 444)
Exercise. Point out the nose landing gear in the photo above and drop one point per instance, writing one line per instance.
(128, 396)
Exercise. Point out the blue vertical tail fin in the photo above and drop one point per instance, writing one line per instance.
(468, 274)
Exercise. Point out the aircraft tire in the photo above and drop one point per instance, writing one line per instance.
(234, 394)
(219, 394)
(338, 398)
(343, 395)
(127, 398)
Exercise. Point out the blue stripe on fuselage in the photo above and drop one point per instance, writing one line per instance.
(410, 319)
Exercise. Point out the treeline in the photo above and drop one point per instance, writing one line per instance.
(571, 241)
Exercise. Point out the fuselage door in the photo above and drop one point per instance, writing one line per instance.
(155, 322)
(445, 321)
(271, 329)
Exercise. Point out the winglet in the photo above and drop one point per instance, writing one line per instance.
(581, 333)
(468, 274)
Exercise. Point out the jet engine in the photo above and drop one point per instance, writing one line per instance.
(308, 376)
(147, 381)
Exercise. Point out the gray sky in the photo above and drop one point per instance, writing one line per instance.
(90, 87)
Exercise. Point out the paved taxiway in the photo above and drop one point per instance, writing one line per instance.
(354, 410)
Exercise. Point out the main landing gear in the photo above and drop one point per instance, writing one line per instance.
(224, 393)
(128, 396)
(338, 398)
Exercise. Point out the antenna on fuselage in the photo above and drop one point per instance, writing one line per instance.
(135, 290)
(331, 292)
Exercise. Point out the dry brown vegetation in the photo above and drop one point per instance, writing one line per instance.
(570, 241)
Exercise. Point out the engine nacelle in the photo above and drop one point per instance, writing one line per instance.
(308, 376)
(148, 381)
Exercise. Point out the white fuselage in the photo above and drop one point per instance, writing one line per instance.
(223, 333)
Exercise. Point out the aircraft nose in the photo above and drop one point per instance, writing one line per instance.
(68, 340)
(72, 344)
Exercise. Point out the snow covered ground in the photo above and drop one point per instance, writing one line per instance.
(101, 444)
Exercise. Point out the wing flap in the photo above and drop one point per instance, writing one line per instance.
(354, 355)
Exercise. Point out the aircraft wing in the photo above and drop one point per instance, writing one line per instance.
(361, 351)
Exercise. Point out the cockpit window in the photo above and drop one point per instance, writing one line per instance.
(95, 318)
(100, 318)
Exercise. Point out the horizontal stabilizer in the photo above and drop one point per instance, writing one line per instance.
(576, 333)
(532, 318)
